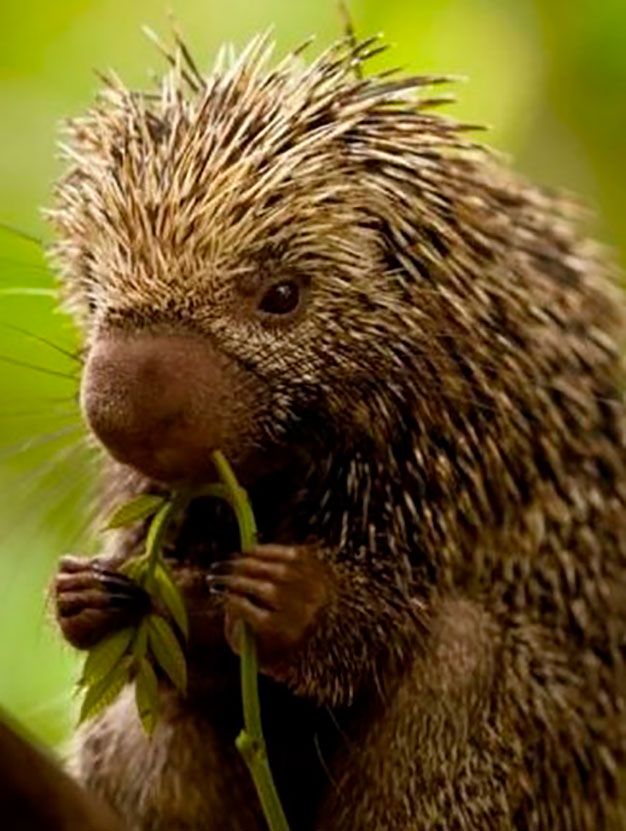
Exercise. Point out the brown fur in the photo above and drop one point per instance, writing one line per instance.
(451, 403)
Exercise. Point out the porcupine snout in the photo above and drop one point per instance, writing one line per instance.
(159, 402)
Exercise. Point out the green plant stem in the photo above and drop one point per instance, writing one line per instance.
(158, 527)
(250, 742)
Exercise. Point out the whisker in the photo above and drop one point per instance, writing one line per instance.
(46, 404)
(39, 413)
(40, 471)
(44, 472)
(52, 706)
(25, 264)
(25, 235)
(341, 732)
(71, 505)
(27, 291)
(59, 399)
(324, 764)
(63, 517)
(33, 442)
(30, 486)
(7, 359)
(46, 341)
(61, 473)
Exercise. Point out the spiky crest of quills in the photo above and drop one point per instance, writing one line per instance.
(482, 446)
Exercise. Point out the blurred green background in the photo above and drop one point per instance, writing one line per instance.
(548, 76)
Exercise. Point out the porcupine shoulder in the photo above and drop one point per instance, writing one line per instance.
(413, 360)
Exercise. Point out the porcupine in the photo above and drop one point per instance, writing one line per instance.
(412, 358)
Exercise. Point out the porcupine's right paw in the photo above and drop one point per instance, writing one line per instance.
(92, 599)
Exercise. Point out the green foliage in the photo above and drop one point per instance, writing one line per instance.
(169, 594)
(167, 652)
(100, 694)
(126, 656)
(141, 507)
(129, 655)
(146, 695)
(103, 657)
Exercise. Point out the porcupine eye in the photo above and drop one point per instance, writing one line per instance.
(281, 298)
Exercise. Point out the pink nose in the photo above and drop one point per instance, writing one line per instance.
(154, 401)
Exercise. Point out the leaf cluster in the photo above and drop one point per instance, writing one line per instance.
(139, 653)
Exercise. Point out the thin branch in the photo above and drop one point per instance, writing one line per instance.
(250, 742)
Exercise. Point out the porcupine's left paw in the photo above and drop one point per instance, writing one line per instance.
(278, 590)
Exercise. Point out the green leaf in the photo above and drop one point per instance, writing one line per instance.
(105, 655)
(147, 695)
(155, 527)
(104, 692)
(141, 507)
(140, 645)
(171, 597)
(135, 568)
(167, 651)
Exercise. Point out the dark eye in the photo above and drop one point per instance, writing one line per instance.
(281, 298)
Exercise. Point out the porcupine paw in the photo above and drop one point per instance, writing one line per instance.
(278, 590)
(93, 599)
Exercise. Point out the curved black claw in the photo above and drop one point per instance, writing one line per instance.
(120, 589)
